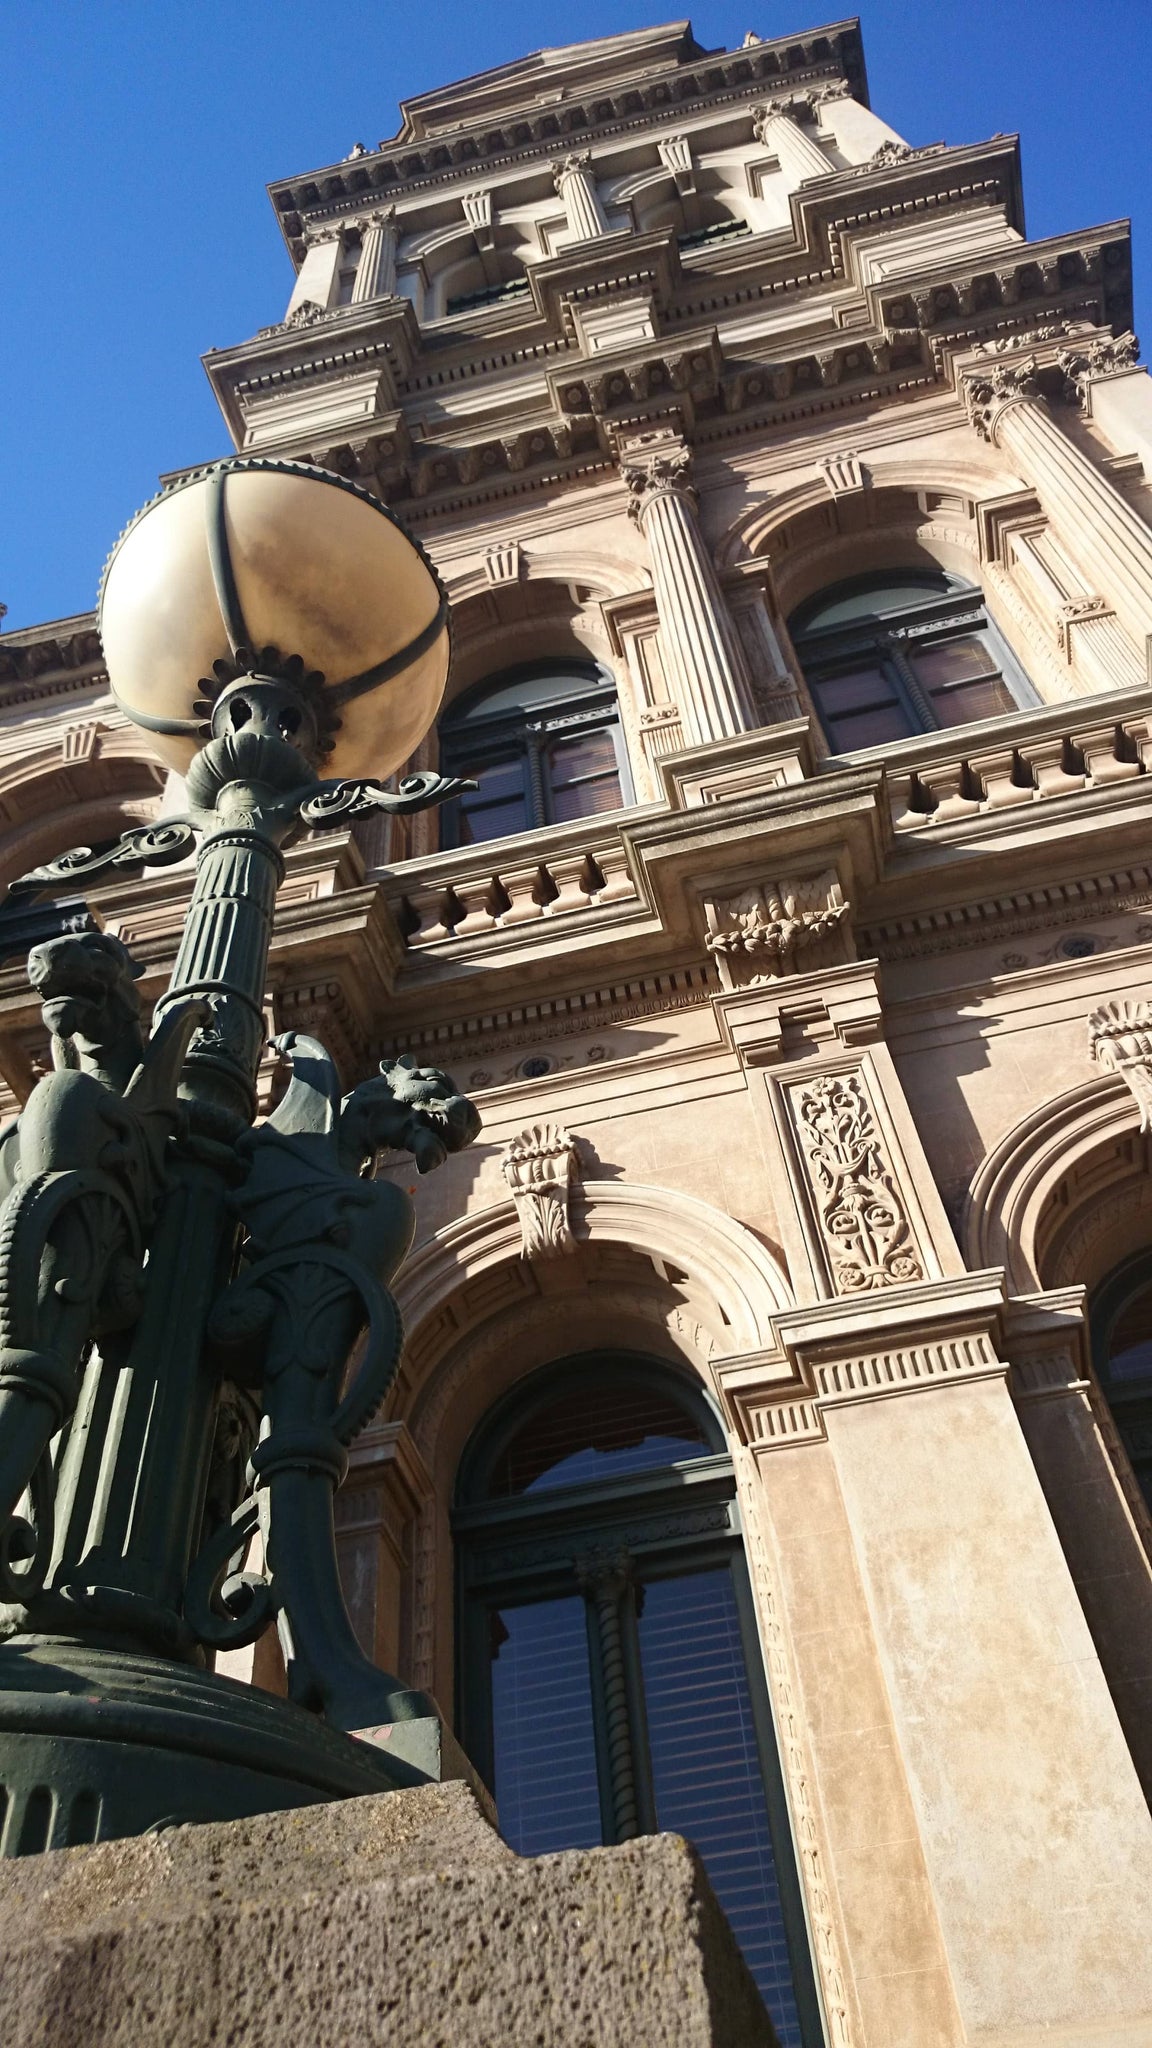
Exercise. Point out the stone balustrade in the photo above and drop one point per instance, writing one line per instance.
(1087, 746)
(463, 902)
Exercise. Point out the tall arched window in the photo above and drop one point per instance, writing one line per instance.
(1122, 1352)
(903, 652)
(544, 743)
(610, 1675)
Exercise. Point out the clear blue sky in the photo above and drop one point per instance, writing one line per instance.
(137, 136)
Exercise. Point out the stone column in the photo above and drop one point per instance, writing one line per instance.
(705, 670)
(777, 126)
(576, 185)
(1105, 536)
(376, 272)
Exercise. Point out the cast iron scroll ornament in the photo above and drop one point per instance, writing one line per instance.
(81, 1174)
(322, 1243)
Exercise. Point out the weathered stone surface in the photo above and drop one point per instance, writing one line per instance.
(400, 1919)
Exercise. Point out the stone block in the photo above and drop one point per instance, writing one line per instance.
(398, 1919)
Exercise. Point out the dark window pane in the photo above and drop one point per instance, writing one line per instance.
(872, 728)
(1130, 1345)
(860, 689)
(544, 1749)
(954, 661)
(492, 821)
(597, 1435)
(584, 776)
(706, 1768)
(960, 703)
(499, 806)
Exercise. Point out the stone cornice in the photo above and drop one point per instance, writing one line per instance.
(718, 77)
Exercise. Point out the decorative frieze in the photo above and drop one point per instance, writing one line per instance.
(777, 927)
(864, 1224)
(1120, 1040)
(541, 1168)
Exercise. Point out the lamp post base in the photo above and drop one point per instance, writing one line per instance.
(97, 1743)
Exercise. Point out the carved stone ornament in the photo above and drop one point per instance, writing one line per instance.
(667, 469)
(578, 165)
(866, 1231)
(502, 564)
(986, 392)
(892, 152)
(836, 89)
(842, 473)
(306, 314)
(797, 106)
(1120, 1038)
(1078, 611)
(1100, 358)
(541, 1168)
(779, 927)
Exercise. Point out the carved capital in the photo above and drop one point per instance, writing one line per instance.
(1077, 612)
(1099, 358)
(836, 89)
(988, 392)
(796, 106)
(665, 470)
(541, 1169)
(776, 928)
(1120, 1041)
(578, 165)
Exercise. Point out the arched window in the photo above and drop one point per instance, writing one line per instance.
(543, 741)
(1122, 1352)
(904, 652)
(610, 1676)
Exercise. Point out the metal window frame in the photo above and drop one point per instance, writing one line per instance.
(472, 740)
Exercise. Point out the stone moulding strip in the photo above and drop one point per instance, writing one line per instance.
(833, 1355)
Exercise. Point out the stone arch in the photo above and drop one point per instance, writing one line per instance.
(901, 492)
(1066, 1193)
(655, 1272)
(50, 802)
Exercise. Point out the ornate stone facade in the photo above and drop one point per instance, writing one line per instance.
(652, 346)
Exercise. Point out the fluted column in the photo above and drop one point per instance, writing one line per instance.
(376, 271)
(1105, 537)
(704, 667)
(576, 185)
(777, 126)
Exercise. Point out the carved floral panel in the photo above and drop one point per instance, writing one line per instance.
(865, 1227)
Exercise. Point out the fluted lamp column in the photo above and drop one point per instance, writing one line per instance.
(703, 665)
(777, 126)
(1105, 535)
(576, 185)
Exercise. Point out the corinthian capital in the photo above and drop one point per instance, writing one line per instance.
(579, 165)
(1101, 357)
(648, 476)
(796, 106)
(987, 391)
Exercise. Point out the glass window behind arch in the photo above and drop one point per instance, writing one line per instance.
(886, 657)
(544, 745)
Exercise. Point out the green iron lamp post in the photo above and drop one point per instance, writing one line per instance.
(176, 1284)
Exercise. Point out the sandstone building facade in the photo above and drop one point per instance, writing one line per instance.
(772, 1454)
